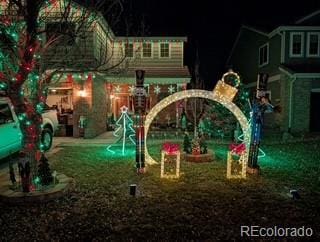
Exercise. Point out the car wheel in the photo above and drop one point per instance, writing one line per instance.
(46, 139)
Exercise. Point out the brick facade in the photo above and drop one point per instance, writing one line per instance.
(93, 107)
(169, 115)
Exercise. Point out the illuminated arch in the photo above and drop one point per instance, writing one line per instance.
(224, 100)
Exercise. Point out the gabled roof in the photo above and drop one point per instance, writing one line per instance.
(161, 72)
(301, 68)
(300, 71)
(244, 27)
(152, 38)
(308, 17)
(253, 29)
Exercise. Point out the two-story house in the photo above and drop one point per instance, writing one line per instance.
(97, 72)
(291, 57)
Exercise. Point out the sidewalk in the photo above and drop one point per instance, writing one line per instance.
(101, 140)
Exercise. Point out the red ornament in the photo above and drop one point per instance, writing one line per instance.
(238, 149)
(170, 148)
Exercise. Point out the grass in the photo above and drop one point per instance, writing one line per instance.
(201, 206)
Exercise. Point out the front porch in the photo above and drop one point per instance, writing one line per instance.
(88, 104)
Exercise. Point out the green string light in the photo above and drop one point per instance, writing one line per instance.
(3, 86)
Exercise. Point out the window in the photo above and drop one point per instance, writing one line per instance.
(296, 44)
(313, 44)
(65, 31)
(146, 49)
(264, 55)
(164, 50)
(129, 50)
(5, 114)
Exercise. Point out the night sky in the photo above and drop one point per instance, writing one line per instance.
(212, 26)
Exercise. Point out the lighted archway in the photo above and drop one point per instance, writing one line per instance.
(215, 95)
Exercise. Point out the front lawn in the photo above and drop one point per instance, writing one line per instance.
(201, 206)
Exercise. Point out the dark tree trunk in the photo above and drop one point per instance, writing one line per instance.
(30, 119)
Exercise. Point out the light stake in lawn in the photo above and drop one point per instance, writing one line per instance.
(133, 189)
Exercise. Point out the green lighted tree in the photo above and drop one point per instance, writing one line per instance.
(221, 121)
(186, 144)
(124, 131)
(44, 172)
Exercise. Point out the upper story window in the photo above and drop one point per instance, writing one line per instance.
(146, 50)
(164, 50)
(128, 50)
(296, 44)
(264, 55)
(65, 32)
(313, 45)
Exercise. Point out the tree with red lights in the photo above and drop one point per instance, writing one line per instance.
(22, 28)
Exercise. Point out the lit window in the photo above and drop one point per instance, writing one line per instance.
(164, 49)
(264, 55)
(313, 44)
(146, 49)
(296, 44)
(129, 49)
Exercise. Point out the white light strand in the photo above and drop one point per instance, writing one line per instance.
(215, 96)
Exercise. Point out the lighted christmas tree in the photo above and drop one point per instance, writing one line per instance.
(196, 146)
(24, 76)
(124, 131)
(44, 171)
(186, 144)
(219, 121)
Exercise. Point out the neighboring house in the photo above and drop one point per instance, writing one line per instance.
(291, 57)
(102, 73)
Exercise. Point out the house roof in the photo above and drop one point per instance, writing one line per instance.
(160, 72)
(300, 68)
(152, 38)
(244, 27)
(308, 18)
(170, 75)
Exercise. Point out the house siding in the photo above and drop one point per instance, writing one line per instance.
(274, 57)
(273, 120)
(284, 101)
(80, 54)
(92, 107)
(175, 59)
(301, 105)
